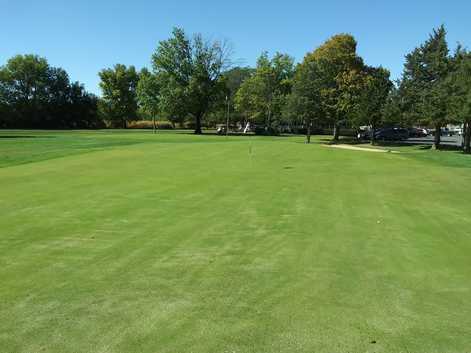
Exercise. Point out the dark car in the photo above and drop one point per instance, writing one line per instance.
(364, 134)
(385, 134)
(392, 134)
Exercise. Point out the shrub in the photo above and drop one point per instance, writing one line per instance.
(148, 124)
(267, 131)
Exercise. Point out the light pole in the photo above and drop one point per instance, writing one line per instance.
(227, 116)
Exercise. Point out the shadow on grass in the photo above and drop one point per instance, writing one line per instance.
(421, 146)
(342, 140)
(24, 137)
(233, 134)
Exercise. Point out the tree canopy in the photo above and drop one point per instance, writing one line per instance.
(119, 87)
(190, 71)
(333, 84)
(424, 86)
(35, 95)
(460, 98)
(261, 96)
(338, 67)
(148, 94)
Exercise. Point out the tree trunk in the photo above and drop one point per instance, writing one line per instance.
(268, 123)
(153, 123)
(467, 137)
(336, 132)
(437, 140)
(308, 132)
(125, 125)
(373, 131)
(198, 130)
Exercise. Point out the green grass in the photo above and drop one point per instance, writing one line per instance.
(129, 242)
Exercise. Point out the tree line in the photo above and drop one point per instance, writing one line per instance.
(34, 94)
(192, 81)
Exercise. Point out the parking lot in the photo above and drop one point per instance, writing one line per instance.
(446, 140)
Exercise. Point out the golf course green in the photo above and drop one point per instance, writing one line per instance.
(117, 241)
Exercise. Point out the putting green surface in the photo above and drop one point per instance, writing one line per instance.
(129, 242)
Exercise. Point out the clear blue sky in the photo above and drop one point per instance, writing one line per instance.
(85, 36)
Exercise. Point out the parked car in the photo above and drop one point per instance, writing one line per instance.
(446, 132)
(392, 134)
(458, 131)
(364, 134)
(385, 134)
(417, 132)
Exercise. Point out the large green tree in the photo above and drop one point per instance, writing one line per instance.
(338, 66)
(224, 107)
(83, 112)
(424, 89)
(235, 77)
(262, 96)
(333, 85)
(373, 87)
(119, 88)
(191, 71)
(148, 94)
(25, 79)
(460, 82)
(305, 102)
(35, 95)
(233, 80)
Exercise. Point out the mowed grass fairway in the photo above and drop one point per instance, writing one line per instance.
(129, 242)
